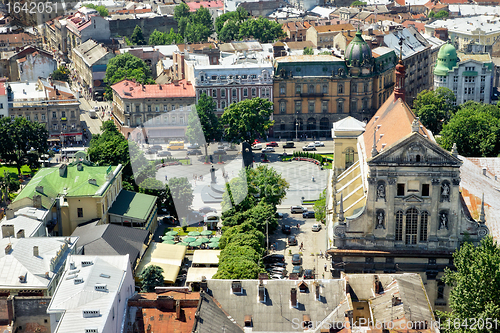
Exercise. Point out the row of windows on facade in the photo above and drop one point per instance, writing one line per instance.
(230, 77)
(411, 226)
(159, 120)
(324, 125)
(42, 116)
(156, 108)
(265, 92)
(311, 106)
(311, 88)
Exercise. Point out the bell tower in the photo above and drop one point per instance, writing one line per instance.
(399, 88)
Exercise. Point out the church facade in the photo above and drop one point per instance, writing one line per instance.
(395, 203)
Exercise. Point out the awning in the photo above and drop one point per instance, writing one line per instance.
(53, 139)
(194, 274)
(206, 257)
(167, 256)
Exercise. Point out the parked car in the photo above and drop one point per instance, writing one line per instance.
(292, 241)
(206, 209)
(286, 229)
(272, 144)
(194, 152)
(163, 153)
(296, 259)
(55, 149)
(316, 227)
(297, 270)
(256, 141)
(309, 274)
(257, 146)
(308, 214)
(276, 264)
(319, 144)
(219, 152)
(277, 277)
(268, 150)
(156, 147)
(193, 146)
(279, 215)
(151, 151)
(289, 144)
(297, 209)
(310, 146)
(273, 258)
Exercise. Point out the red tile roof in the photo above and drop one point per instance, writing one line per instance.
(449, 2)
(130, 90)
(132, 11)
(420, 26)
(393, 120)
(193, 6)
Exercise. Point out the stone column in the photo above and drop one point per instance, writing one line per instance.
(390, 194)
(433, 214)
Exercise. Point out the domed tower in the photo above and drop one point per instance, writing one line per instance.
(446, 62)
(358, 56)
(399, 87)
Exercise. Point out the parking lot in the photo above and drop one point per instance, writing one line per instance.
(314, 243)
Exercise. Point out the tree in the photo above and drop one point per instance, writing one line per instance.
(358, 3)
(247, 119)
(151, 276)
(434, 108)
(441, 14)
(182, 194)
(320, 207)
(194, 27)
(102, 10)
(308, 51)
(157, 38)
(203, 124)
(180, 11)
(237, 268)
(475, 296)
(173, 38)
(475, 128)
(61, 74)
(229, 31)
(325, 53)
(137, 37)
(22, 141)
(264, 30)
(126, 66)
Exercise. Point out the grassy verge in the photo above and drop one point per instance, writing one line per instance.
(25, 170)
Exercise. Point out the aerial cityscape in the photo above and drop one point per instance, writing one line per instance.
(227, 166)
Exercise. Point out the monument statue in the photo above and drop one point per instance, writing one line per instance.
(246, 152)
(212, 174)
(445, 192)
(444, 221)
(380, 220)
(381, 192)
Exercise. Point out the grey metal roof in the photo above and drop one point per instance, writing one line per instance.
(29, 225)
(91, 52)
(111, 239)
(276, 314)
(213, 319)
(411, 44)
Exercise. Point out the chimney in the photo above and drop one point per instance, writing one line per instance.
(20, 233)
(236, 287)
(93, 181)
(262, 292)
(178, 310)
(484, 171)
(8, 248)
(63, 169)
(39, 189)
(35, 251)
(79, 167)
(293, 297)
(9, 213)
(317, 289)
(7, 230)
(203, 284)
(37, 201)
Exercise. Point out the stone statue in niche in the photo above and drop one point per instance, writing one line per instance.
(380, 219)
(443, 221)
(381, 191)
(341, 71)
(445, 192)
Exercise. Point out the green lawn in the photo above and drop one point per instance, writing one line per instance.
(327, 155)
(181, 232)
(25, 170)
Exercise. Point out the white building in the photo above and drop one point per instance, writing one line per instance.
(483, 30)
(92, 295)
(4, 101)
(469, 76)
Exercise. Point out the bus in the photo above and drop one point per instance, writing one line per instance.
(175, 145)
(71, 151)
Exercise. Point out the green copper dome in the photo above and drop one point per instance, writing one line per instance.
(446, 60)
(358, 53)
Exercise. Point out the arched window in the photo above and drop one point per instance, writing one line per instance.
(411, 226)
(341, 88)
(423, 226)
(311, 88)
(399, 225)
(349, 157)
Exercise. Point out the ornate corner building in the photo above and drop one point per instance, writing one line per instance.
(312, 92)
(396, 203)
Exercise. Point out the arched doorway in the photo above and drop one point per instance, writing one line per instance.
(324, 126)
(311, 127)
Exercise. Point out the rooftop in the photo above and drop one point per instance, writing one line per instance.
(308, 58)
(131, 90)
(466, 25)
(334, 28)
(133, 205)
(167, 256)
(484, 57)
(411, 44)
(29, 225)
(91, 52)
(206, 257)
(194, 5)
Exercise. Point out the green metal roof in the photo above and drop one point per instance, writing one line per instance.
(74, 184)
(447, 59)
(133, 205)
(358, 52)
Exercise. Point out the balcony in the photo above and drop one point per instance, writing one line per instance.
(312, 94)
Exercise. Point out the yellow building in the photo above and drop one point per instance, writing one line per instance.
(79, 193)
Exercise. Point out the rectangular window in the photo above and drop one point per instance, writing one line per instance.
(214, 77)
(12, 117)
(254, 91)
(483, 79)
(54, 115)
(234, 92)
(63, 114)
(1, 105)
(43, 117)
(425, 190)
(223, 93)
(354, 106)
(28, 117)
(282, 89)
(36, 117)
(340, 106)
(245, 92)
(324, 106)
(149, 108)
(55, 127)
(424, 217)
(298, 88)
(399, 226)
(253, 76)
(298, 106)
(214, 93)
(455, 79)
(401, 190)
(325, 89)
(137, 109)
(311, 106)
(173, 107)
(127, 108)
(282, 107)
(80, 212)
(244, 77)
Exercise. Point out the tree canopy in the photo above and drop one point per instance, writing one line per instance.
(435, 108)
(102, 10)
(22, 141)
(126, 66)
(247, 119)
(181, 192)
(320, 207)
(61, 74)
(137, 36)
(308, 51)
(151, 276)
(196, 26)
(203, 124)
(475, 128)
(475, 295)
(162, 38)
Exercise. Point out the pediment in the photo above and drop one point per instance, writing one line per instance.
(415, 149)
(413, 198)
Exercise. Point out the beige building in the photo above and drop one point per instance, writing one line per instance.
(80, 192)
(323, 35)
(395, 203)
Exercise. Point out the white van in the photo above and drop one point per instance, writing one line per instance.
(257, 146)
